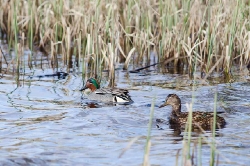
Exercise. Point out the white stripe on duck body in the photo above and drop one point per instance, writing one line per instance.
(93, 91)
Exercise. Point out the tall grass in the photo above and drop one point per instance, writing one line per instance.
(214, 29)
(191, 153)
(213, 145)
(146, 161)
(30, 30)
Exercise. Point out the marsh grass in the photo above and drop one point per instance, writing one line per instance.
(146, 161)
(204, 31)
(192, 149)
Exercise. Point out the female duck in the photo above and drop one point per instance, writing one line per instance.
(178, 119)
(93, 92)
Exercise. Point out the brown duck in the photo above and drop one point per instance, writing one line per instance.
(179, 119)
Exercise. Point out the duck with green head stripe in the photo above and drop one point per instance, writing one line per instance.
(93, 91)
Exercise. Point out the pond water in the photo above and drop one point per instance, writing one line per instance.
(47, 121)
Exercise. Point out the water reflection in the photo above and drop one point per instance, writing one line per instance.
(24, 161)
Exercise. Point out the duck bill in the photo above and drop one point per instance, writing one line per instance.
(83, 88)
(163, 105)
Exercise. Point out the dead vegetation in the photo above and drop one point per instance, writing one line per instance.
(213, 35)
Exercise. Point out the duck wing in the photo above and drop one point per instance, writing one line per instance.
(197, 117)
(113, 91)
(119, 95)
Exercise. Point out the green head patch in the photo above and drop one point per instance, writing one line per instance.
(94, 82)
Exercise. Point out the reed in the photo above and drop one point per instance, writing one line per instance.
(191, 151)
(146, 161)
(204, 31)
(31, 27)
(213, 144)
(1, 59)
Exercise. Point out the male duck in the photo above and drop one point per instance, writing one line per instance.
(178, 119)
(93, 92)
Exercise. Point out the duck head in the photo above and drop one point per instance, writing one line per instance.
(174, 101)
(91, 84)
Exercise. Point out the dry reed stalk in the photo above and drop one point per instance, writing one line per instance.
(247, 55)
(128, 59)
(143, 25)
(111, 66)
(52, 55)
(68, 47)
(18, 62)
(1, 58)
(131, 142)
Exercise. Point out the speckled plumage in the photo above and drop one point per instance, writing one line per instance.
(179, 119)
(93, 91)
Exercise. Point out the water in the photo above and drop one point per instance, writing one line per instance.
(47, 121)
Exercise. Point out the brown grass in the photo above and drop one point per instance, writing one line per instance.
(204, 31)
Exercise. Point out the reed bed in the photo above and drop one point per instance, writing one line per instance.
(215, 33)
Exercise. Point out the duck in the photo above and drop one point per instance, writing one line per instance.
(93, 91)
(200, 120)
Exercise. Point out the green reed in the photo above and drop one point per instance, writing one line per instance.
(209, 41)
(30, 30)
(148, 142)
(199, 155)
(187, 155)
(190, 151)
(233, 28)
(213, 146)
(97, 46)
(16, 37)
